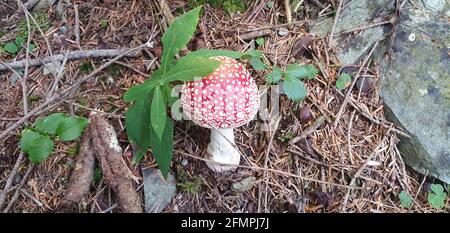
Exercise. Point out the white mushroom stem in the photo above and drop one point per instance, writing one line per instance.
(221, 150)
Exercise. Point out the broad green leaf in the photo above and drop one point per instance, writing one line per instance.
(294, 88)
(50, 123)
(163, 149)
(11, 48)
(343, 81)
(167, 93)
(158, 112)
(71, 128)
(19, 41)
(437, 196)
(177, 36)
(297, 71)
(275, 76)
(405, 199)
(260, 41)
(140, 91)
(257, 64)
(207, 53)
(37, 146)
(437, 188)
(188, 69)
(137, 123)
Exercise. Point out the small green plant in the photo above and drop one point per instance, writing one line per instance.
(147, 122)
(97, 175)
(294, 88)
(260, 41)
(188, 183)
(103, 24)
(231, 6)
(86, 68)
(37, 141)
(437, 196)
(343, 81)
(14, 46)
(405, 199)
(41, 20)
(286, 137)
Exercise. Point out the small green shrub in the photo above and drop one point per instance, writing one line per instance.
(231, 6)
(37, 141)
(437, 196)
(294, 88)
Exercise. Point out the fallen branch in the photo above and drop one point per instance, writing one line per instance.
(287, 8)
(10, 179)
(17, 192)
(82, 175)
(70, 56)
(246, 36)
(115, 171)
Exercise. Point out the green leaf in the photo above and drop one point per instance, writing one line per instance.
(71, 128)
(158, 112)
(37, 146)
(270, 4)
(11, 48)
(405, 199)
(275, 76)
(260, 41)
(163, 149)
(257, 64)
(343, 81)
(437, 196)
(50, 123)
(142, 90)
(294, 88)
(177, 36)
(137, 123)
(297, 71)
(188, 69)
(437, 189)
(19, 41)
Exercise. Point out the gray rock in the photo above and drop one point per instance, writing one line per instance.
(63, 29)
(44, 4)
(356, 14)
(184, 162)
(158, 193)
(415, 87)
(436, 5)
(14, 77)
(244, 185)
(415, 84)
(52, 68)
(282, 31)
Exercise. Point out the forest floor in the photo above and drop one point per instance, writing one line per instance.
(352, 165)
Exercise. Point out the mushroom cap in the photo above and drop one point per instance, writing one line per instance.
(226, 98)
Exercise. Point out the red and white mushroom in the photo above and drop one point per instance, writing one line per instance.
(223, 100)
